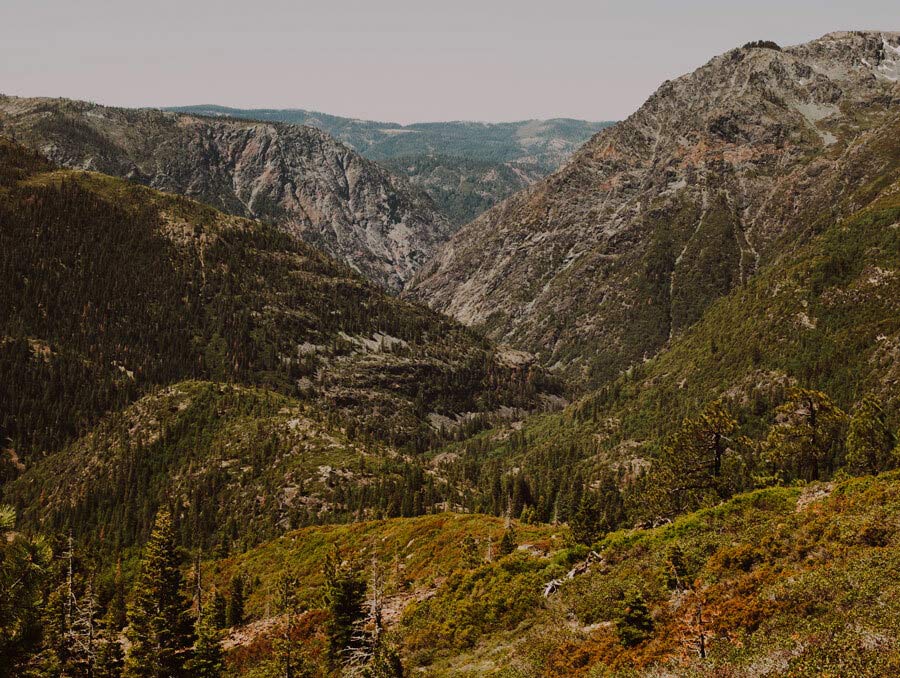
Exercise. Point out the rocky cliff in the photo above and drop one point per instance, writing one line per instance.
(596, 267)
(297, 177)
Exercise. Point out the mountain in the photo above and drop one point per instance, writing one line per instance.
(112, 289)
(598, 266)
(825, 316)
(294, 176)
(377, 488)
(542, 143)
(466, 167)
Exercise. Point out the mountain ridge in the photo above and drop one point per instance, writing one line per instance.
(295, 176)
(465, 166)
(662, 213)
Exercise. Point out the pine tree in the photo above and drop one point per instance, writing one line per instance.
(208, 660)
(699, 463)
(219, 610)
(343, 598)
(110, 656)
(635, 624)
(870, 443)
(117, 611)
(158, 624)
(24, 564)
(235, 611)
(508, 543)
(807, 436)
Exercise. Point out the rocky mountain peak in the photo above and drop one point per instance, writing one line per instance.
(596, 267)
(295, 176)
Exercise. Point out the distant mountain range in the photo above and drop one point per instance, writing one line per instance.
(466, 167)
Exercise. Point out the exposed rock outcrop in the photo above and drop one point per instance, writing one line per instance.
(297, 177)
(596, 267)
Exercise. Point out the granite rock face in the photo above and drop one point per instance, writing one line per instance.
(596, 267)
(297, 177)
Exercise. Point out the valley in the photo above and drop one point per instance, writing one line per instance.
(286, 394)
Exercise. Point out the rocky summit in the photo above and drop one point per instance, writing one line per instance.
(297, 177)
(596, 267)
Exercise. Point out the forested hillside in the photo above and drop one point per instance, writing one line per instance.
(114, 288)
(298, 178)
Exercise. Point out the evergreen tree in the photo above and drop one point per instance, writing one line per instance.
(24, 564)
(870, 443)
(599, 512)
(343, 598)
(110, 656)
(635, 624)
(235, 611)
(117, 611)
(158, 624)
(807, 436)
(219, 610)
(508, 543)
(207, 660)
(700, 464)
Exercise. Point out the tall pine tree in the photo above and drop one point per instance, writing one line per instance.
(208, 661)
(343, 598)
(158, 623)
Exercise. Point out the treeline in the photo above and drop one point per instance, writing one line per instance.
(709, 458)
(61, 615)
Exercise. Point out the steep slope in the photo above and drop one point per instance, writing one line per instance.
(825, 316)
(598, 266)
(296, 177)
(110, 288)
(778, 582)
(797, 581)
(466, 167)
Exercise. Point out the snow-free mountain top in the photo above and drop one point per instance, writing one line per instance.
(465, 167)
(543, 142)
(597, 266)
(295, 176)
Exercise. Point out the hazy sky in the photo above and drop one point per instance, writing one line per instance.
(402, 60)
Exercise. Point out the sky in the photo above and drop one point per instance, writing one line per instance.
(394, 60)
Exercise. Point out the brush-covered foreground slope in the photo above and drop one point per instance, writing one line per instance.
(788, 581)
(418, 554)
(825, 315)
(599, 265)
(110, 288)
(778, 582)
(297, 177)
